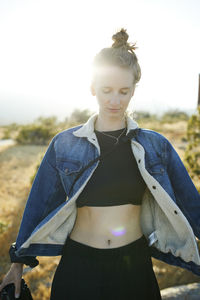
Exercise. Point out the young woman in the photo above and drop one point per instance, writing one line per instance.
(109, 195)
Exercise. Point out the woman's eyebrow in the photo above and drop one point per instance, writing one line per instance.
(123, 88)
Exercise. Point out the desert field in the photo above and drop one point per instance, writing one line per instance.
(17, 165)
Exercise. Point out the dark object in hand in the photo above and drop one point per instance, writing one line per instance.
(8, 292)
(27, 260)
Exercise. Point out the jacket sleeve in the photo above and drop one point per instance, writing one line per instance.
(187, 196)
(46, 194)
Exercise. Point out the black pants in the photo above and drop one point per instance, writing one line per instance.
(88, 273)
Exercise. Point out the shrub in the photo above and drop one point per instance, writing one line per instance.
(38, 133)
(79, 116)
(174, 115)
(192, 153)
(144, 116)
(34, 134)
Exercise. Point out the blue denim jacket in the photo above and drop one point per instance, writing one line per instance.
(170, 211)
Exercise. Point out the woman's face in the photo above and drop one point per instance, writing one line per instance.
(113, 87)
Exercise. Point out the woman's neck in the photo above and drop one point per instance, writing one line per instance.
(103, 124)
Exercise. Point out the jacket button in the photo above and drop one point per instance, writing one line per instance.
(139, 160)
(175, 212)
(154, 187)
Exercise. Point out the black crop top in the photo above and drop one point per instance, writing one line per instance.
(117, 179)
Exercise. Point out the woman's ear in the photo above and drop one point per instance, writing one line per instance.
(133, 90)
(92, 89)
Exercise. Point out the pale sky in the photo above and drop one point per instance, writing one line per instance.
(47, 47)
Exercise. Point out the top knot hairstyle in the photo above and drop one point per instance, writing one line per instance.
(121, 54)
(120, 40)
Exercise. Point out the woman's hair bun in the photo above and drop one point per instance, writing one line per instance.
(121, 54)
(120, 40)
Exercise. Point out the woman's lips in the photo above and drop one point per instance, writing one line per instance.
(113, 109)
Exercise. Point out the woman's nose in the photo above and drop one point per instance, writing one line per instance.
(115, 100)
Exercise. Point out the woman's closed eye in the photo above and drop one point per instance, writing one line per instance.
(108, 91)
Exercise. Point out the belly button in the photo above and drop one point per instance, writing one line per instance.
(108, 242)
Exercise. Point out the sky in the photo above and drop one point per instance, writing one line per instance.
(47, 48)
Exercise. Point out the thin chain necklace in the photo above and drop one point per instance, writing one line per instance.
(117, 138)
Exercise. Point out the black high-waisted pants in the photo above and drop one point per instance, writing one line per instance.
(88, 273)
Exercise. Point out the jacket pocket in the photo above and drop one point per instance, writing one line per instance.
(155, 167)
(157, 170)
(68, 170)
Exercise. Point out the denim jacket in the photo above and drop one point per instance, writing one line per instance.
(170, 210)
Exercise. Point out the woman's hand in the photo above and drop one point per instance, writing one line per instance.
(14, 275)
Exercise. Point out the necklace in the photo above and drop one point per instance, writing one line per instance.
(116, 138)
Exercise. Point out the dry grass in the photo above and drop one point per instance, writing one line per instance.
(17, 164)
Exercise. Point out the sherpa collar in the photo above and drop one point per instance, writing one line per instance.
(87, 130)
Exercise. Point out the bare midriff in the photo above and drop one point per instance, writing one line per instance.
(108, 226)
